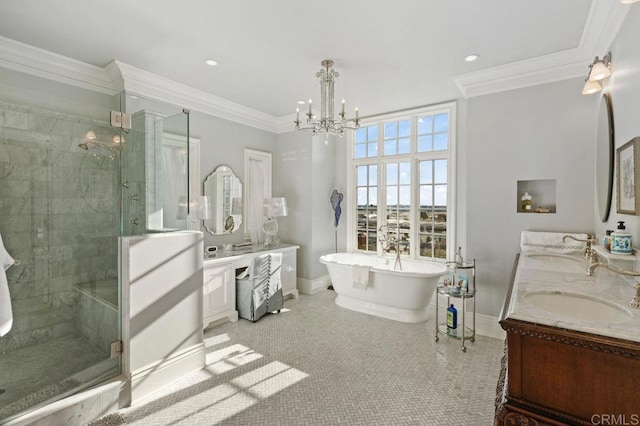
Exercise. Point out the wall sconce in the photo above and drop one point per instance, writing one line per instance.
(591, 87)
(598, 70)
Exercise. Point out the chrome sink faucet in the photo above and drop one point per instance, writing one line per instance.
(635, 302)
(589, 254)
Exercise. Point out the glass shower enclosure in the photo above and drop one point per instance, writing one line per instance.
(69, 187)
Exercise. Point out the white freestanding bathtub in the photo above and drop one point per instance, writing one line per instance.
(398, 295)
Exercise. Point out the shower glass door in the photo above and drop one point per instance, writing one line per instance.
(59, 217)
(70, 185)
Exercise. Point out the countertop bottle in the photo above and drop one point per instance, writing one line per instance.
(452, 317)
(606, 240)
(621, 240)
(526, 202)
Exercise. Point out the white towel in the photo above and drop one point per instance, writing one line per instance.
(551, 242)
(360, 276)
(6, 314)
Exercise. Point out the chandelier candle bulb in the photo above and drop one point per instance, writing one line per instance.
(297, 115)
(356, 113)
(343, 102)
(310, 108)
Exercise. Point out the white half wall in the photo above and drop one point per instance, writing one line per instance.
(162, 308)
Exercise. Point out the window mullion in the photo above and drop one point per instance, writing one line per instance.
(414, 208)
(382, 201)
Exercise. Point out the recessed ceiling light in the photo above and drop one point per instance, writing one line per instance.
(301, 102)
(472, 57)
(211, 62)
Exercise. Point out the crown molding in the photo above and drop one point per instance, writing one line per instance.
(42, 63)
(544, 69)
(144, 83)
(284, 124)
(601, 27)
(118, 76)
(603, 23)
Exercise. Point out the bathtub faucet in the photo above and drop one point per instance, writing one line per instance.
(398, 264)
(386, 242)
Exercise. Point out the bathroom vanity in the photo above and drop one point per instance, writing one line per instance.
(219, 285)
(572, 353)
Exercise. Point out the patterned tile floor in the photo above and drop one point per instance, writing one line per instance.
(318, 364)
(37, 373)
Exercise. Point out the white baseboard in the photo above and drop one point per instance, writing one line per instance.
(488, 326)
(313, 286)
(158, 374)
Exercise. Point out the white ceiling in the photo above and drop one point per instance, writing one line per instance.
(391, 55)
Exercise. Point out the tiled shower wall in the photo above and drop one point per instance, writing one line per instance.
(139, 172)
(58, 215)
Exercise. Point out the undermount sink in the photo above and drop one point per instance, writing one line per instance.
(577, 306)
(555, 262)
(555, 258)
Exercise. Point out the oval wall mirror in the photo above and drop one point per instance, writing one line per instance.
(225, 192)
(605, 151)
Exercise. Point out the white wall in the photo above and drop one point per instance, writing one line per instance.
(222, 142)
(305, 170)
(322, 219)
(624, 87)
(541, 132)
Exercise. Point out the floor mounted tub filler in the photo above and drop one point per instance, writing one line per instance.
(400, 295)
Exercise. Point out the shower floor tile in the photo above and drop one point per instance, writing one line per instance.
(36, 373)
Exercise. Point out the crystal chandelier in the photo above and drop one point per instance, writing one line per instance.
(327, 123)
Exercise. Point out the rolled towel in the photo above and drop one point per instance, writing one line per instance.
(551, 242)
(6, 313)
(360, 276)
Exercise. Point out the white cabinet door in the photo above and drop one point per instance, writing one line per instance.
(219, 293)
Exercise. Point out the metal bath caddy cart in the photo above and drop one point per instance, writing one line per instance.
(459, 283)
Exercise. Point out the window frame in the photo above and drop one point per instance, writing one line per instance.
(414, 159)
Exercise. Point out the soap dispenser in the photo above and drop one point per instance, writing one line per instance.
(621, 240)
(606, 240)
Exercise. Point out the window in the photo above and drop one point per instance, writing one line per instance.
(402, 184)
(367, 193)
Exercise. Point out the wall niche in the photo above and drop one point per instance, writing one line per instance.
(536, 196)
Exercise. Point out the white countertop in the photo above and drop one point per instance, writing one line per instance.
(230, 255)
(568, 274)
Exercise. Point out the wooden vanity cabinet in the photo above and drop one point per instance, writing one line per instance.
(555, 376)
